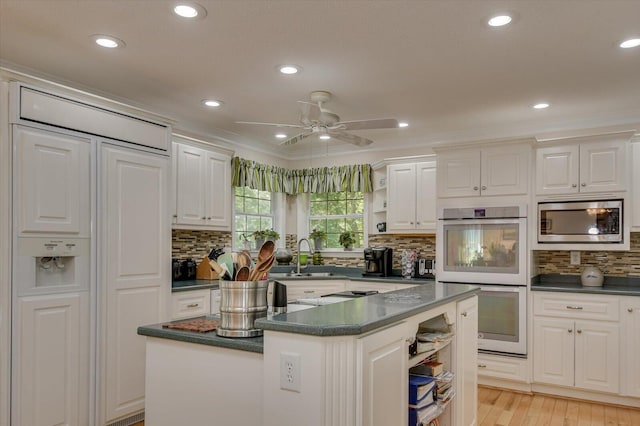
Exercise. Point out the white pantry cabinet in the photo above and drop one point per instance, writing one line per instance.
(202, 188)
(576, 341)
(52, 187)
(134, 273)
(411, 197)
(494, 170)
(587, 167)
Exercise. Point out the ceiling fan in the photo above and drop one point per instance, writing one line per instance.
(326, 124)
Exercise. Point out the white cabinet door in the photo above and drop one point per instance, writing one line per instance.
(458, 174)
(191, 185)
(553, 350)
(51, 384)
(557, 169)
(217, 190)
(466, 400)
(635, 185)
(630, 347)
(602, 166)
(597, 346)
(133, 279)
(401, 197)
(505, 170)
(52, 185)
(382, 385)
(426, 196)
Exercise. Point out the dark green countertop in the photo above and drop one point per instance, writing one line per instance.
(351, 317)
(622, 286)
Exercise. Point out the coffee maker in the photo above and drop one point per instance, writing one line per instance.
(377, 261)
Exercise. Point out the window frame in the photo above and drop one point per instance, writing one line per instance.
(278, 214)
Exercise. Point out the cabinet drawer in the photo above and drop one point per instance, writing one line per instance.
(577, 306)
(190, 304)
(501, 367)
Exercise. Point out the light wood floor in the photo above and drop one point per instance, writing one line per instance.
(497, 407)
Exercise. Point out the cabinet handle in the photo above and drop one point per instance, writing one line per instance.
(464, 314)
(583, 184)
(574, 185)
(208, 218)
(204, 218)
(175, 215)
(630, 310)
(410, 223)
(475, 188)
(482, 366)
(193, 305)
(570, 330)
(417, 223)
(579, 308)
(484, 187)
(579, 331)
(308, 291)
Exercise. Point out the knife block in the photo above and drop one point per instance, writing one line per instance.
(204, 271)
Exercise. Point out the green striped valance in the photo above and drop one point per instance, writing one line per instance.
(355, 178)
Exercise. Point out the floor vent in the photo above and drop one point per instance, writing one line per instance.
(129, 420)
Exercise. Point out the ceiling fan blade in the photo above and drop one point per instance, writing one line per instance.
(380, 123)
(353, 139)
(305, 109)
(296, 139)
(271, 124)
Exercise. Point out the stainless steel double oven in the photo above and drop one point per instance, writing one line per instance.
(487, 246)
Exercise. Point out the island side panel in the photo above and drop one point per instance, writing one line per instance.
(192, 384)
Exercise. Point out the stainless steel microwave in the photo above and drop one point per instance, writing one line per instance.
(580, 222)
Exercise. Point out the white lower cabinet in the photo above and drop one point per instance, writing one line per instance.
(189, 304)
(215, 301)
(298, 289)
(630, 347)
(500, 367)
(575, 344)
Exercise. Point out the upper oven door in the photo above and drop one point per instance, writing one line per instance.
(489, 251)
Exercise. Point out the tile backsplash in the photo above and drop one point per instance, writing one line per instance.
(187, 244)
(615, 263)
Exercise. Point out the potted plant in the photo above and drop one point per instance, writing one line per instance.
(270, 234)
(318, 237)
(259, 236)
(244, 240)
(347, 238)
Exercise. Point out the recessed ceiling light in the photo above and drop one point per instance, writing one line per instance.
(107, 41)
(541, 105)
(213, 103)
(403, 124)
(499, 20)
(632, 42)
(325, 137)
(289, 69)
(281, 135)
(189, 10)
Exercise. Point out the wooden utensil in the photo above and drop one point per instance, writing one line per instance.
(266, 250)
(243, 273)
(261, 268)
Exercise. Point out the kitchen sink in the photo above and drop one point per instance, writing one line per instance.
(300, 275)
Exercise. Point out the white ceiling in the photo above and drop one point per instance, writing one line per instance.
(433, 63)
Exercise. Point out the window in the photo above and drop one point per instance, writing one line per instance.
(254, 211)
(336, 212)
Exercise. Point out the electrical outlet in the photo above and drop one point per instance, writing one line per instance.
(575, 257)
(290, 364)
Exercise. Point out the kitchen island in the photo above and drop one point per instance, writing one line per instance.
(340, 364)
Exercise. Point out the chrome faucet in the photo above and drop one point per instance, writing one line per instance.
(310, 252)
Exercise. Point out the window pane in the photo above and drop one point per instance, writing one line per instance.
(355, 224)
(241, 223)
(253, 193)
(239, 203)
(333, 196)
(319, 208)
(264, 195)
(335, 225)
(239, 190)
(355, 206)
(318, 224)
(253, 223)
(333, 240)
(336, 208)
(251, 206)
(264, 206)
(266, 222)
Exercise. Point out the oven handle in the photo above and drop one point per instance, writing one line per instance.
(493, 221)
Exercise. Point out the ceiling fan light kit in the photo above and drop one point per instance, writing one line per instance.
(327, 124)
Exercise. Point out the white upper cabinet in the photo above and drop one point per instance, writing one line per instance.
(203, 188)
(581, 168)
(52, 185)
(635, 188)
(411, 195)
(495, 170)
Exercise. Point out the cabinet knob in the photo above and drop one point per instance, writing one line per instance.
(204, 218)
(175, 215)
(410, 223)
(570, 330)
(208, 218)
(579, 331)
(417, 223)
(484, 187)
(630, 310)
(583, 184)
(464, 314)
(574, 185)
(475, 188)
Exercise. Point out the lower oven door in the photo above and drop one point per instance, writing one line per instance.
(502, 319)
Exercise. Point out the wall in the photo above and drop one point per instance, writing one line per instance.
(616, 263)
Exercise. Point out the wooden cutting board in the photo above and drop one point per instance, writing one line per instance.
(198, 325)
